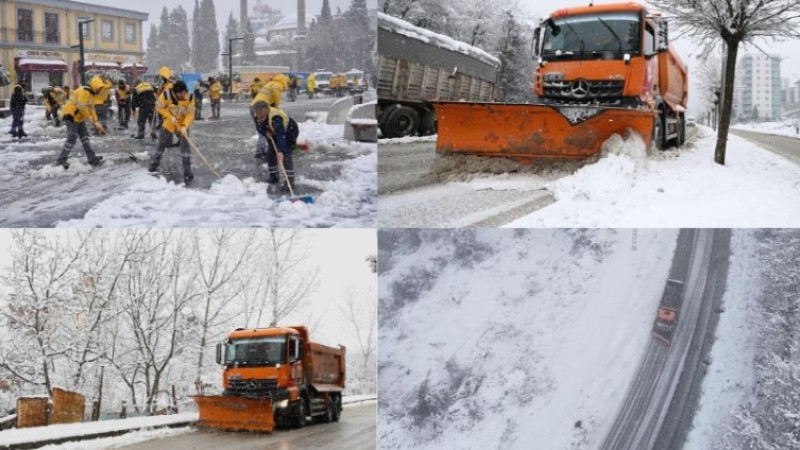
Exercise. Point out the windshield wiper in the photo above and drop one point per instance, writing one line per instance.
(580, 38)
(612, 32)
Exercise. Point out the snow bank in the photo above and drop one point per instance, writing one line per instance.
(729, 379)
(780, 128)
(675, 188)
(404, 28)
(128, 439)
(554, 339)
(65, 431)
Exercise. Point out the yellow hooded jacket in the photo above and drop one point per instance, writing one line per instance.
(215, 92)
(270, 93)
(81, 105)
(170, 106)
(311, 83)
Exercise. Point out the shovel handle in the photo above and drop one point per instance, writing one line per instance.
(280, 164)
(191, 144)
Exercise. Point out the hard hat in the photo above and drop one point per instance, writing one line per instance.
(164, 72)
(97, 84)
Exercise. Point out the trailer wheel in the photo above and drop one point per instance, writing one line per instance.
(337, 408)
(428, 125)
(658, 132)
(402, 121)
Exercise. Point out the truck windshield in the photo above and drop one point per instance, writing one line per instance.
(256, 351)
(591, 36)
(324, 76)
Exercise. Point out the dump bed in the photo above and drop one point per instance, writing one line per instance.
(673, 295)
(417, 65)
(673, 80)
(325, 367)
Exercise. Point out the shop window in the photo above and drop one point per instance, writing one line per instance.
(87, 28)
(130, 33)
(108, 30)
(51, 32)
(25, 25)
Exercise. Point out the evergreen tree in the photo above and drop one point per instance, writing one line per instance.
(249, 43)
(208, 37)
(325, 16)
(197, 40)
(180, 51)
(231, 30)
(361, 48)
(162, 48)
(151, 58)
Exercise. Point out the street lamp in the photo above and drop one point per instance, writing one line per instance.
(81, 24)
(230, 61)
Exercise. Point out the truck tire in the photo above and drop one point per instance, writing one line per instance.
(428, 125)
(401, 121)
(337, 408)
(658, 132)
(328, 417)
(681, 130)
(301, 412)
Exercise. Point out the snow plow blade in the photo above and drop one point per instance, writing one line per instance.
(534, 131)
(235, 413)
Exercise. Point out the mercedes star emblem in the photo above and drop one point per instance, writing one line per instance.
(580, 89)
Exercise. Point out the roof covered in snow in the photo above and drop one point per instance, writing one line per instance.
(289, 22)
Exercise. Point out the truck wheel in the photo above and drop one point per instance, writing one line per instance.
(302, 412)
(681, 130)
(658, 133)
(337, 408)
(402, 121)
(328, 417)
(428, 125)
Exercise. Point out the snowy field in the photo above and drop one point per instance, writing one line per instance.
(780, 128)
(676, 188)
(340, 174)
(542, 354)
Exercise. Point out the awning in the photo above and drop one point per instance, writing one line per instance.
(100, 65)
(133, 68)
(41, 65)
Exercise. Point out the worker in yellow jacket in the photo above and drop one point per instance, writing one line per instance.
(101, 105)
(78, 109)
(255, 86)
(311, 84)
(176, 107)
(53, 101)
(271, 93)
(215, 95)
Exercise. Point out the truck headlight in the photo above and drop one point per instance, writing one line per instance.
(282, 404)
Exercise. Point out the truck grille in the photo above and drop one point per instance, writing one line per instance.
(252, 387)
(606, 91)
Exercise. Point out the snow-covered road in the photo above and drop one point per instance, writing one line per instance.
(340, 174)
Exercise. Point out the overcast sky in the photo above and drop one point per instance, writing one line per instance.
(790, 50)
(224, 8)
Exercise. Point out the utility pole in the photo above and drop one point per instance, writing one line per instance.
(81, 24)
(230, 61)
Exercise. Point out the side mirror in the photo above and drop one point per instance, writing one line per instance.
(219, 353)
(535, 44)
(662, 37)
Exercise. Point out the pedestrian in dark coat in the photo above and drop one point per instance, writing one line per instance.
(18, 102)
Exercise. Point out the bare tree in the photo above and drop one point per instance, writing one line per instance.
(39, 284)
(361, 312)
(734, 22)
(219, 260)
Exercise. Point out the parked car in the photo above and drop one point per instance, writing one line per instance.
(691, 121)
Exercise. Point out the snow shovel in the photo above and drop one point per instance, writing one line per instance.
(191, 144)
(293, 198)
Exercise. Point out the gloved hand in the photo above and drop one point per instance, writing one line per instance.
(99, 128)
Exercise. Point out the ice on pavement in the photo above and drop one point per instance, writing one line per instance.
(554, 339)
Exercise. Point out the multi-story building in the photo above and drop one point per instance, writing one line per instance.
(761, 93)
(39, 41)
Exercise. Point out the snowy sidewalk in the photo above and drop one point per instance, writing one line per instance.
(56, 434)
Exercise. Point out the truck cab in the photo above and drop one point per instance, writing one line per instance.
(324, 81)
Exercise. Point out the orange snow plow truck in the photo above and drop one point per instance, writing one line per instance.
(600, 70)
(274, 376)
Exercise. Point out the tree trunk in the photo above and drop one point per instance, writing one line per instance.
(729, 74)
(204, 337)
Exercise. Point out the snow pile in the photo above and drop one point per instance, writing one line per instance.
(780, 128)
(28, 435)
(404, 28)
(554, 339)
(128, 439)
(76, 167)
(729, 379)
(676, 188)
